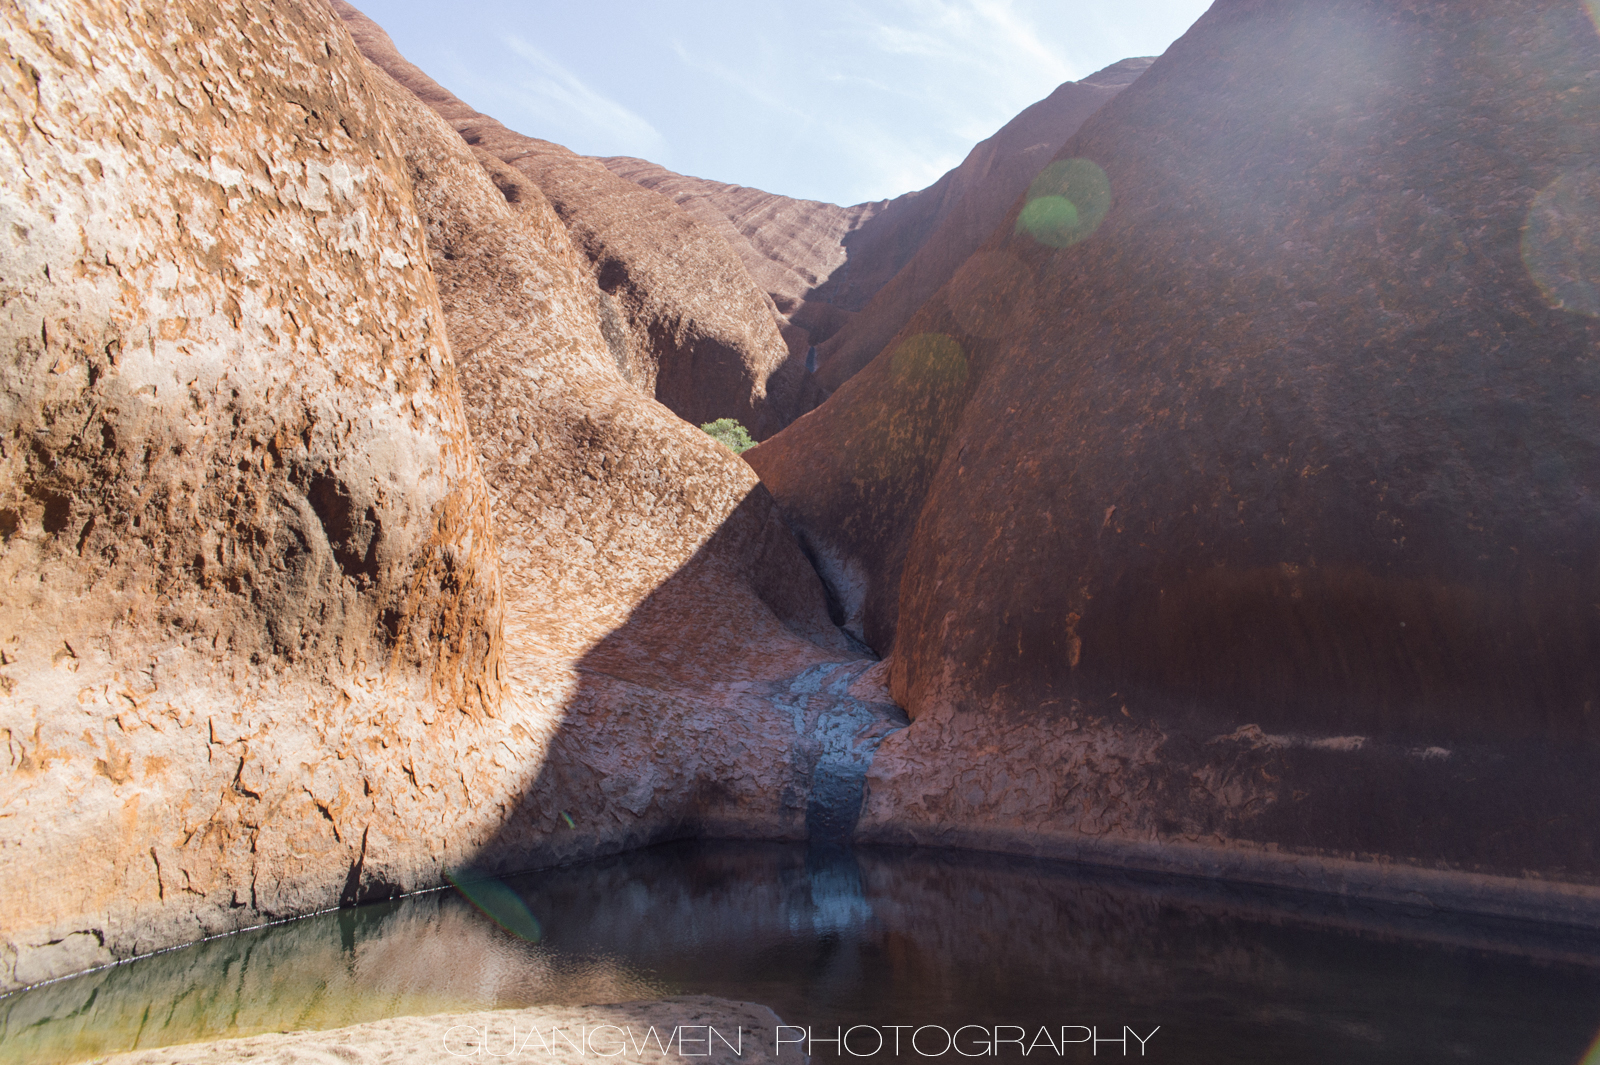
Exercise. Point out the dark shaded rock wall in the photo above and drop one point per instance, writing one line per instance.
(1260, 515)
(975, 197)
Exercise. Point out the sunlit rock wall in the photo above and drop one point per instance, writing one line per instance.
(247, 565)
(1239, 491)
(670, 665)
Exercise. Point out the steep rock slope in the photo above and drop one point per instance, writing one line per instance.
(980, 191)
(663, 630)
(257, 661)
(247, 564)
(791, 247)
(821, 264)
(684, 319)
(1256, 518)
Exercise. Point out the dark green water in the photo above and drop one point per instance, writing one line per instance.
(880, 938)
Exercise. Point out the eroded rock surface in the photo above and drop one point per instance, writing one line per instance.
(684, 318)
(262, 655)
(665, 637)
(1257, 516)
(247, 557)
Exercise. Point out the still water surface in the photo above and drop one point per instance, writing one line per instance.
(877, 937)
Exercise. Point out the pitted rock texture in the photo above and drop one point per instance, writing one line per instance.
(1302, 438)
(684, 317)
(247, 560)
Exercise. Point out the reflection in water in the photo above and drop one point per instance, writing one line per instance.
(1066, 203)
(1561, 242)
(879, 938)
(497, 901)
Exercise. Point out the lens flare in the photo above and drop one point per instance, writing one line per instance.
(497, 902)
(929, 361)
(1561, 242)
(1066, 203)
(1593, 1056)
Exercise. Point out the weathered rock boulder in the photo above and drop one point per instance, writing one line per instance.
(683, 317)
(1238, 492)
(247, 555)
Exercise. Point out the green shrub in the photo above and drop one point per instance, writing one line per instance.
(730, 433)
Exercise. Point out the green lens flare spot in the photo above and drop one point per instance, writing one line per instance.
(1049, 214)
(1066, 203)
(497, 902)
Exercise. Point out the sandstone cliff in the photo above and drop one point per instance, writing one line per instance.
(683, 317)
(257, 656)
(1236, 492)
(658, 614)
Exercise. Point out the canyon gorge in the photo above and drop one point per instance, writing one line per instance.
(1201, 478)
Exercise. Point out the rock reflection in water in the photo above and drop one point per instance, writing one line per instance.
(834, 939)
(426, 954)
(947, 938)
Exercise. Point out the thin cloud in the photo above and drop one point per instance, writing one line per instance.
(879, 159)
(558, 96)
(987, 35)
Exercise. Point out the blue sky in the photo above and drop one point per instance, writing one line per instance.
(838, 100)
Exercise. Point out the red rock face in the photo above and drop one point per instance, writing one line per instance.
(845, 279)
(247, 551)
(973, 198)
(1260, 508)
(683, 317)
